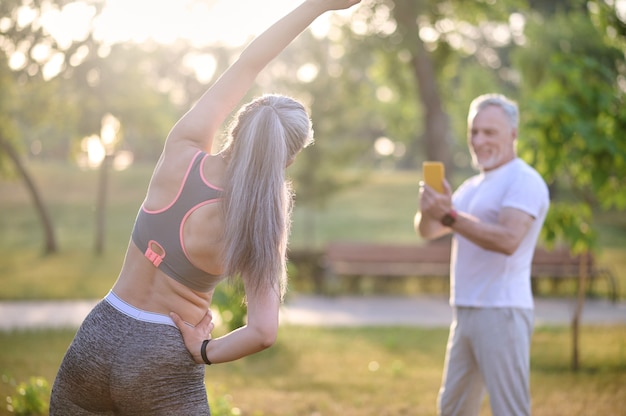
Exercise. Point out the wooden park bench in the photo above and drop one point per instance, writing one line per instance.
(385, 261)
(559, 265)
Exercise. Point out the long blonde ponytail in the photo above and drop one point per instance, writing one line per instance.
(266, 136)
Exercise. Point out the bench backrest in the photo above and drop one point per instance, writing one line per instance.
(434, 258)
(559, 262)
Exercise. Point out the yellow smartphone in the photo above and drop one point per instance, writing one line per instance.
(433, 175)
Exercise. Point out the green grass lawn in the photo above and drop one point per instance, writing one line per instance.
(366, 371)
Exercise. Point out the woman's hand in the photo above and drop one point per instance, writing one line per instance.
(193, 336)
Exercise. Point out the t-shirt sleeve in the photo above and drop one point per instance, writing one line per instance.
(528, 193)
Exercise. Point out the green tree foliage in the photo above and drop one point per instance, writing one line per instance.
(125, 83)
(574, 121)
(434, 57)
(573, 99)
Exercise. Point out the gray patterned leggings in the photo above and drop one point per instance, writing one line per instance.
(128, 365)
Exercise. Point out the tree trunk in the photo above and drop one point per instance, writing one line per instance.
(50, 243)
(437, 131)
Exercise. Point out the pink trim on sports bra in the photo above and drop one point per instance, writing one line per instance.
(154, 257)
(180, 189)
(206, 182)
(182, 225)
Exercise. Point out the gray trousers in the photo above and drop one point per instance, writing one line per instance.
(488, 349)
(124, 361)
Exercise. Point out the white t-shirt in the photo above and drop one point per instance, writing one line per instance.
(484, 278)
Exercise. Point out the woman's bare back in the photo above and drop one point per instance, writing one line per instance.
(145, 286)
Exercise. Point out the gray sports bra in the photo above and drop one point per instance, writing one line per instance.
(159, 234)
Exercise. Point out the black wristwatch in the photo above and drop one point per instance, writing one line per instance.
(449, 218)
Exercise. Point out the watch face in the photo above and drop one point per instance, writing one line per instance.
(447, 220)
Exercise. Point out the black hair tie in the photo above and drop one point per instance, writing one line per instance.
(203, 352)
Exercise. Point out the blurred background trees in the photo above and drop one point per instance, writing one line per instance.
(388, 87)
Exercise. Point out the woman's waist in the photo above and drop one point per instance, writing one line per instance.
(137, 313)
(161, 295)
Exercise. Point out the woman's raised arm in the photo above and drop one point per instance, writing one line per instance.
(199, 125)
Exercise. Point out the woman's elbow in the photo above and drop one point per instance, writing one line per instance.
(265, 341)
(268, 340)
(266, 336)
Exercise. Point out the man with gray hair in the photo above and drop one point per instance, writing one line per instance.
(495, 217)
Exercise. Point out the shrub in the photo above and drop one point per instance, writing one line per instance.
(229, 300)
(31, 398)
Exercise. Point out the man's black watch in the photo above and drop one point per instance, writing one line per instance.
(449, 218)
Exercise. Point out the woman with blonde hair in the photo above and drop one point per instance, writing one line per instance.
(205, 217)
